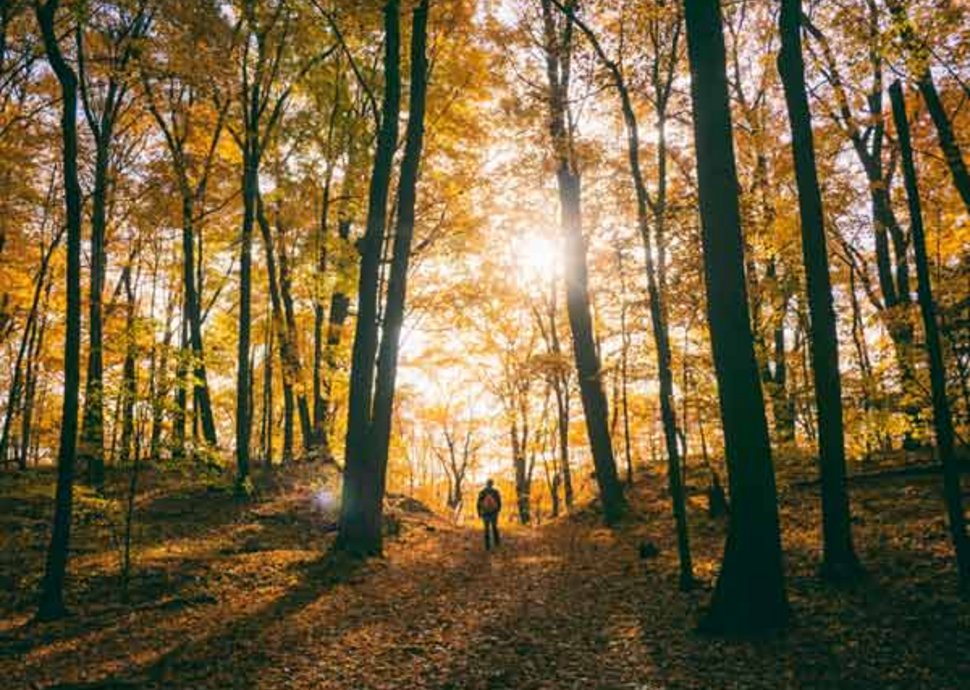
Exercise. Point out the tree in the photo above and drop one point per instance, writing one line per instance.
(360, 512)
(919, 55)
(839, 560)
(941, 406)
(52, 586)
(867, 135)
(173, 99)
(658, 319)
(125, 28)
(557, 48)
(750, 593)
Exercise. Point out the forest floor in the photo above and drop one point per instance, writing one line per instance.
(225, 595)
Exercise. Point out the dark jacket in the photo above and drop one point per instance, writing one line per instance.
(481, 498)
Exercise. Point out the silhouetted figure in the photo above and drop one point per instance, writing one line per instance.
(489, 506)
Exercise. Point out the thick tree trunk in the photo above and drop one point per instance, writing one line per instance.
(839, 560)
(360, 511)
(52, 586)
(941, 406)
(584, 349)
(750, 593)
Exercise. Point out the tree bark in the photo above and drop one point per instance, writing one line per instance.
(360, 512)
(30, 325)
(839, 560)
(52, 586)
(587, 360)
(946, 137)
(129, 376)
(657, 311)
(750, 593)
(393, 321)
(942, 420)
(250, 190)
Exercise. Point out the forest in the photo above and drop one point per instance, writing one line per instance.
(284, 284)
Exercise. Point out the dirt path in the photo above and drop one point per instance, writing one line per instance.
(569, 605)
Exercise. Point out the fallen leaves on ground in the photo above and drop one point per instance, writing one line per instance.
(248, 597)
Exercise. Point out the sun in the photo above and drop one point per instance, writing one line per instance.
(538, 256)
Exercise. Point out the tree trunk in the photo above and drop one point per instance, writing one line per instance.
(284, 323)
(92, 429)
(193, 314)
(52, 586)
(941, 407)
(360, 511)
(947, 139)
(250, 191)
(657, 313)
(289, 315)
(30, 326)
(339, 310)
(577, 290)
(839, 560)
(750, 593)
(30, 386)
(393, 321)
(129, 376)
(266, 427)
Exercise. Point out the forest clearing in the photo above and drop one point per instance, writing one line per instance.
(484, 343)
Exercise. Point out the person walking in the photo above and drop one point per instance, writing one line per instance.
(489, 506)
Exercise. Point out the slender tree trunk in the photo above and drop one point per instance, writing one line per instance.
(129, 376)
(92, 429)
(523, 487)
(657, 312)
(839, 560)
(946, 136)
(193, 314)
(181, 393)
(393, 321)
(360, 528)
(250, 190)
(266, 428)
(339, 311)
(30, 387)
(52, 586)
(750, 593)
(13, 397)
(296, 362)
(562, 428)
(941, 406)
(289, 365)
(577, 289)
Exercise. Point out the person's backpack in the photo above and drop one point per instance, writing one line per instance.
(489, 503)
